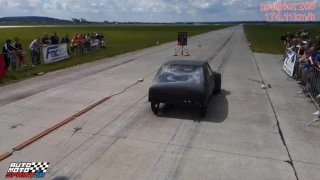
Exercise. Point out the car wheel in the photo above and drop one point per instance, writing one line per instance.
(217, 83)
(155, 107)
(203, 111)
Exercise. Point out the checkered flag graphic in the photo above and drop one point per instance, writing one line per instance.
(39, 166)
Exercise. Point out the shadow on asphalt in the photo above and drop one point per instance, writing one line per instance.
(217, 110)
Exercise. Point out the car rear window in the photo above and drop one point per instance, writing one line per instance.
(180, 73)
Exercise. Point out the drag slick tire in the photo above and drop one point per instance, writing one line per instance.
(217, 83)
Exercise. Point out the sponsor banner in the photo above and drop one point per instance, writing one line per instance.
(95, 42)
(54, 53)
(289, 62)
(2, 66)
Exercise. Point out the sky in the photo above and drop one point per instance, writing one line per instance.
(153, 10)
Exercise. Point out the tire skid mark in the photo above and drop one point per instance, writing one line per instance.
(184, 153)
(132, 122)
(220, 48)
(225, 59)
(120, 131)
(180, 160)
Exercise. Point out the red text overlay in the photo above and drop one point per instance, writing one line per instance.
(276, 16)
(300, 6)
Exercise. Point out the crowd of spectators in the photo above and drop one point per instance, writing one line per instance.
(307, 49)
(79, 43)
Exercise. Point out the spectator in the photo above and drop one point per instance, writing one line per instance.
(101, 36)
(45, 40)
(103, 43)
(317, 58)
(34, 50)
(6, 49)
(66, 39)
(88, 42)
(313, 51)
(80, 44)
(13, 59)
(54, 38)
(73, 43)
(318, 41)
(317, 113)
(20, 54)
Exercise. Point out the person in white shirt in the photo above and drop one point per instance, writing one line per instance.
(34, 50)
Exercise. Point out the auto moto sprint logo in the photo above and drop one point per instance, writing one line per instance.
(27, 170)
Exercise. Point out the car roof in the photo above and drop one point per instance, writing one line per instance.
(186, 62)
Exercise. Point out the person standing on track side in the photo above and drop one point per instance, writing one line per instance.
(6, 49)
(21, 56)
(34, 50)
(45, 40)
(79, 43)
(66, 40)
(54, 38)
(13, 59)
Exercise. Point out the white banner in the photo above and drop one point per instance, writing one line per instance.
(95, 42)
(289, 62)
(54, 53)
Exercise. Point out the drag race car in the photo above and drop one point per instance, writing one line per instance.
(184, 82)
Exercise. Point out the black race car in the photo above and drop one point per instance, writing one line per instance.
(184, 82)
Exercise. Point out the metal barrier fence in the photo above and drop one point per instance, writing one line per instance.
(309, 79)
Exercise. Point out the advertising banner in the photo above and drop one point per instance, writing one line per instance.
(54, 53)
(289, 62)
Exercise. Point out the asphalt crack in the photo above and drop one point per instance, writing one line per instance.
(290, 161)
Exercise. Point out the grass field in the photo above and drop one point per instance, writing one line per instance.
(266, 38)
(121, 39)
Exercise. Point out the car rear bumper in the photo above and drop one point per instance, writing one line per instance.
(176, 95)
(187, 102)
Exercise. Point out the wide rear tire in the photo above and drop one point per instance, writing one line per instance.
(155, 107)
(217, 83)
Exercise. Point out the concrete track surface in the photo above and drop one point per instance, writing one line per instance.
(121, 139)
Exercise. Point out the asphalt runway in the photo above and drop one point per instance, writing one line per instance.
(241, 137)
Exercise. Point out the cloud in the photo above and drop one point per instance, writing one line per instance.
(144, 10)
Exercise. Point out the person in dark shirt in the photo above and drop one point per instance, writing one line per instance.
(318, 41)
(45, 39)
(6, 49)
(101, 36)
(54, 38)
(18, 47)
(66, 39)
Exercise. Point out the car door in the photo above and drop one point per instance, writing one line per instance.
(211, 78)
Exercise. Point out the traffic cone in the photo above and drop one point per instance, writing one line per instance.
(175, 53)
(249, 44)
(187, 54)
(199, 45)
